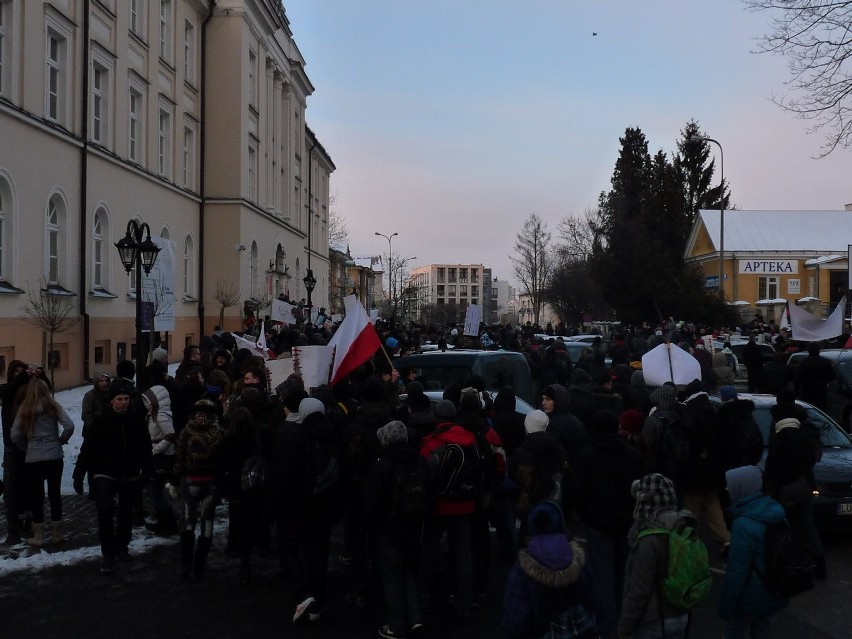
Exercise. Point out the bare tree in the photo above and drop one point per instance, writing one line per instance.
(575, 236)
(338, 229)
(52, 314)
(227, 295)
(532, 261)
(814, 35)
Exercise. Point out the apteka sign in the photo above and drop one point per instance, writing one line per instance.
(769, 267)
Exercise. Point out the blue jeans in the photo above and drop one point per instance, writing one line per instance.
(671, 628)
(399, 574)
(750, 627)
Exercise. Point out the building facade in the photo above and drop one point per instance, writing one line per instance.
(442, 292)
(186, 115)
(503, 298)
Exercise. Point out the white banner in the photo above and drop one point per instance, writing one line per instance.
(314, 364)
(279, 370)
(158, 287)
(472, 319)
(807, 327)
(282, 312)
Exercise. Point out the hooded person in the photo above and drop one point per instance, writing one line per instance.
(644, 611)
(551, 583)
(656, 431)
(161, 430)
(740, 442)
(747, 607)
(507, 421)
(564, 425)
(95, 401)
(580, 402)
(420, 417)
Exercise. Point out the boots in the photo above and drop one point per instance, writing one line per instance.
(200, 559)
(38, 535)
(25, 526)
(13, 534)
(187, 547)
(56, 532)
(165, 526)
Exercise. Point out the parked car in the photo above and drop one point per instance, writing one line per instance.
(832, 505)
(436, 370)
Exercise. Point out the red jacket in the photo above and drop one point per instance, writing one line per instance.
(448, 433)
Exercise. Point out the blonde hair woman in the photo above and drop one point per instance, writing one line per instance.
(36, 430)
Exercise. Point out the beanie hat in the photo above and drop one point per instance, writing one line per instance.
(205, 406)
(161, 355)
(631, 421)
(664, 396)
(393, 432)
(744, 481)
(545, 518)
(288, 386)
(727, 393)
(604, 422)
(126, 369)
(536, 422)
(293, 399)
(416, 397)
(653, 493)
(445, 409)
(119, 387)
(695, 386)
(392, 342)
(470, 401)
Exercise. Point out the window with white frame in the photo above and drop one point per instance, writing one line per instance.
(100, 102)
(5, 47)
(138, 17)
(100, 247)
(164, 141)
(5, 217)
(53, 239)
(166, 30)
(252, 170)
(252, 78)
(254, 275)
(56, 76)
(136, 121)
(767, 287)
(188, 157)
(189, 52)
(188, 267)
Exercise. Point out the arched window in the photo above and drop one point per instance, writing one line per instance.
(299, 283)
(188, 267)
(254, 286)
(54, 229)
(280, 258)
(100, 250)
(5, 230)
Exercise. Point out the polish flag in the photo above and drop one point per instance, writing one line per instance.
(355, 340)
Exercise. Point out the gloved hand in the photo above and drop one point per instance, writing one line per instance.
(78, 485)
(173, 491)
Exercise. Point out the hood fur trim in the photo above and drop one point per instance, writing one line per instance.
(550, 577)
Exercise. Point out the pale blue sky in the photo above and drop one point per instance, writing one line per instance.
(450, 121)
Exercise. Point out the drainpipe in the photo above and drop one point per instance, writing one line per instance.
(310, 198)
(84, 179)
(201, 165)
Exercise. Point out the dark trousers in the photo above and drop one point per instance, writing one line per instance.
(114, 534)
(399, 576)
(14, 495)
(37, 473)
(304, 557)
(802, 526)
(608, 553)
(458, 529)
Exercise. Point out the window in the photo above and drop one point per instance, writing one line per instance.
(5, 47)
(252, 171)
(136, 17)
(188, 157)
(440, 275)
(463, 275)
(56, 77)
(188, 267)
(166, 30)
(100, 102)
(451, 273)
(452, 290)
(767, 287)
(164, 142)
(463, 291)
(5, 235)
(134, 128)
(189, 52)
(254, 288)
(252, 78)
(100, 231)
(474, 291)
(440, 289)
(53, 231)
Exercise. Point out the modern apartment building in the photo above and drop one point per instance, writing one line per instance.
(503, 294)
(187, 115)
(442, 292)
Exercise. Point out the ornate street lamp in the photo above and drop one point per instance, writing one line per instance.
(137, 253)
(310, 282)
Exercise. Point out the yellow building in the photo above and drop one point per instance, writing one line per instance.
(772, 257)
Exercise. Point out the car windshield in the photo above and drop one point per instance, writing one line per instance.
(830, 433)
(844, 368)
(436, 378)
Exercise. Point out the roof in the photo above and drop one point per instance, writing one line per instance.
(795, 231)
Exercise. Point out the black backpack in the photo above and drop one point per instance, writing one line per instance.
(321, 471)
(409, 498)
(673, 450)
(789, 566)
(487, 471)
(459, 474)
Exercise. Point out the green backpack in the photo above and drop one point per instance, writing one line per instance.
(688, 580)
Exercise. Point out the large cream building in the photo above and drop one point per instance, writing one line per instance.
(187, 115)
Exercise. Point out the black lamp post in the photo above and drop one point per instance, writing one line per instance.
(139, 254)
(310, 282)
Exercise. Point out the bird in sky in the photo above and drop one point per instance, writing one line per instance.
(594, 33)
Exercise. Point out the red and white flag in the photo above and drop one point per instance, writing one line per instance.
(355, 340)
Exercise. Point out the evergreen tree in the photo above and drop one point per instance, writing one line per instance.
(695, 172)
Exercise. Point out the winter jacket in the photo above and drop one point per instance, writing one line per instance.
(8, 393)
(703, 471)
(743, 592)
(739, 441)
(565, 426)
(45, 441)
(200, 449)
(447, 433)
(812, 378)
(117, 446)
(791, 456)
(535, 466)
(161, 428)
(551, 576)
(95, 403)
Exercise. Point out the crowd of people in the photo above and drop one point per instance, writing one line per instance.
(579, 495)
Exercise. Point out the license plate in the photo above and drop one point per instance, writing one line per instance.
(844, 509)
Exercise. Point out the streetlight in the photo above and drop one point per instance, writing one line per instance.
(390, 260)
(701, 138)
(138, 254)
(310, 282)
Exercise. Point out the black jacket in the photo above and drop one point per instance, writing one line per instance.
(117, 445)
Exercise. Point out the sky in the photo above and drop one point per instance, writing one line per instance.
(451, 121)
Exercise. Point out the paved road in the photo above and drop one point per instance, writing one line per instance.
(148, 599)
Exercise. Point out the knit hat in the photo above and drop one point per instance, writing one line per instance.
(445, 409)
(536, 422)
(470, 401)
(290, 385)
(604, 422)
(119, 387)
(727, 393)
(653, 493)
(545, 519)
(664, 396)
(631, 421)
(744, 481)
(161, 355)
(205, 406)
(393, 432)
(392, 342)
(695, 386)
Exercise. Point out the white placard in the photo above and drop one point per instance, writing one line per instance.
(283, 312)
(472, 319)
(314, 364)
(158, 287)
(374, 315)
(794, 287)
(279, 370)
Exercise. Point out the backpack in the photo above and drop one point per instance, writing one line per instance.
(487, 471)
(459, 473)
(253, 475)
(789, 567)
(409, 501)
(688, 580)
(672, 450)
(321, 471)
